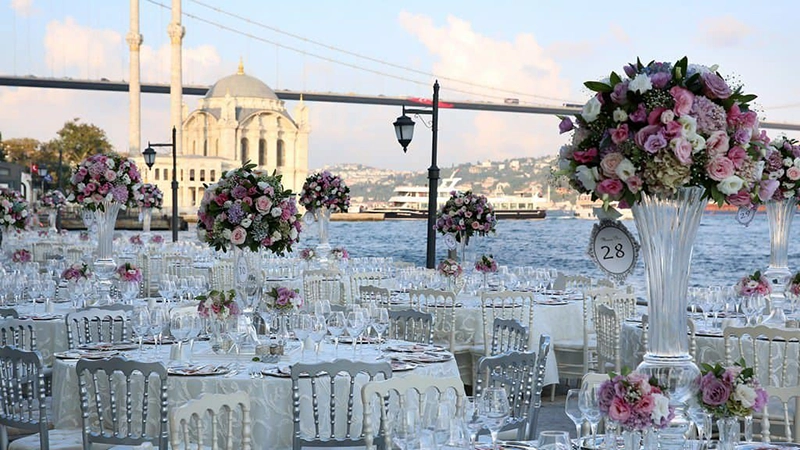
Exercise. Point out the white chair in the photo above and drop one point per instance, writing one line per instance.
(410, 325)
(607, 325)
(773, 353)
(97, 325)
(516, 305)
(508, 335)
(323, 284)
(399, 387)
(359, 279)
(370, 293)
(224, 412)
(442, 305)
(787, 417)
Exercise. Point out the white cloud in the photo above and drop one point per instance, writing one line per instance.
(23, 7)
(724, 32)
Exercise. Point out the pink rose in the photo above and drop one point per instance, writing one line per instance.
(619, 134)
(655, 116)
(673, 129)
(609, 164)
(646, 404)
(583, 157)
(737, 155)
(111, 175)
(740, 199)
(720, 168)
(683, 100)
(682, 149)
(793, 173)
(612, 188)
(644, 133)
(634, 183)
(714, 391)
(717, 144)
(263, 204)
(714, 86)
(619, 410)
(238, 235)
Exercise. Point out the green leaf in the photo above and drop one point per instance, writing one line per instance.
(597, 86)
(615, 79)
(639, 65)
(747, 98)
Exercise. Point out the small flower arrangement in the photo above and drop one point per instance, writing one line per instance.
(136, 239)
(635, 401)
(325, 189)
(129, 272)
(284, 299)
(466, 214)
(755, 284)
(251, 210)
(76, 272)
(218, 305)
(13, 209)
(339, 253)
(83, 236)
(105, 178)
(450, 268)
(793, 288)
(730, 391)
(663, 126)
(307, 254)
(781, 176)
(21, 256)
(156, 239)
(486, 264)
(150, 196)
(53, 200)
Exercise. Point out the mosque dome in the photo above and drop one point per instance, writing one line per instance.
(241, 85)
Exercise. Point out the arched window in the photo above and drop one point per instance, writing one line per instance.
(262, 152)
(202, 175)
(281, 154)
(244, 151)
(191, 174)
(213, 175)
(205, 147)
(166, 174)
(156, 173)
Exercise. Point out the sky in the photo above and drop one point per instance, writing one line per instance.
(537, 51)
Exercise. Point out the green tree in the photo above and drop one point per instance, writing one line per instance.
(79, 140)
(22, 151)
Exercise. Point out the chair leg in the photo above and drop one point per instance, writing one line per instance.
(553, 392)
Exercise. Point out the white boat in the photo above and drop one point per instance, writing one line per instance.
(585, 208)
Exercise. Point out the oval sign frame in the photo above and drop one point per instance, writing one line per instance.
(617, 258)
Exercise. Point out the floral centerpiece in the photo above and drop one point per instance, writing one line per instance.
(340, 253)
(105, 178)
(150, 196)
(664, 127)
(486, 264)
(635, 401)
(136, 239)
(781, 175)
(754, 284)
(129, 272)
(83, 236)
(307, 254)
(284, 299)
(793, 288)
(450, 268)
(76, 272)
(156, 239)
(324, 189)
(249, 209)
(21, 256)
(13, 209)
(218, 305)
(54, 199)
(464, 215)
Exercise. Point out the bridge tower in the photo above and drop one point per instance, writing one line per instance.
(134, 40)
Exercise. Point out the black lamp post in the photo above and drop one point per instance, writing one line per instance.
(150, 158)
(404, 128)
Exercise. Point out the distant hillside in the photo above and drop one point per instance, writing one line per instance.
(369, 185)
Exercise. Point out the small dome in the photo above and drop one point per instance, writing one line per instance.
(241, 85)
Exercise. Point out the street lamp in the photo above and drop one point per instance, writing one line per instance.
(43, 176)
(150, 158)
(404, 129)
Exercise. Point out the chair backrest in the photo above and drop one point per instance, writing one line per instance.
(22, 392)
(773, 353)
(508, 335)
(410, 325)
(8, 312)
(18, 333)
(96, 325)
(522, 375)
(369, 293)
(223, 412)
(222, 275)
(177, 265)
(359, 279)
(564, 281)
(321, 379)
(442, 305)
(108, 419)
(323, 284)
(607, 326)
(623, 302)
(399, 388)
(112, 307)
(790, 399)
(517, 305)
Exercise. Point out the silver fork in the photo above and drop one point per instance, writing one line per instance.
(255, 372)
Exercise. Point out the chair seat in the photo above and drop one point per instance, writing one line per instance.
(574, 344)
(60, 439)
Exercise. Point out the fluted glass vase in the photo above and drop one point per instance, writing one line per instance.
(147, 216)
(323, 217)
(728, 428)
(780, 214)
(248, 290)
(631, 439)
(105, 220)
(667, 226)
(51, 220)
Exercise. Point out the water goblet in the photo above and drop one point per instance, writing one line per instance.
(337, 323)
(573, 410)
(380, 323)
(140, 322)
(472, 419)
(323, 307)
(590, 405)
(301, 324)
(495, 410)
(356, 323)
(158, 321)
(554, 440)
(318, 331)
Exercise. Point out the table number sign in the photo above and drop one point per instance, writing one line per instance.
(614, 249)
(745, 215)
(241, 270)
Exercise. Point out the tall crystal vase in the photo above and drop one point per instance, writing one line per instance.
(464, 259)
(51, 220)
(104, 264)
(147, 215)
(323, 218)
(780, 214)
(667, 227)
(248, 289)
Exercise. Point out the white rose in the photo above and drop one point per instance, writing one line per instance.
(276, 235)
(640, 84)
(245, 223)
(689, 124)
(788, 194)
(110, 163)
(730, 185)
(263, 185)
(276, 212)
(775, 175)
(625, 169)
(293, 233)
(698, 143)
(7, 218)
(660, 409)
(586, 176)
(797, 162)
(228, 204)
(619, 115)
(109, 197)
(81, 186)
(745, 395)
(667, 116)
(24, 213)
(126, 179)
(591, 109)
(788, 162)
(226, 234)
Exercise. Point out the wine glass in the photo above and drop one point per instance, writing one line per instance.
(158, 320)
(590, 405)
(140, 322)
(355, 326)
(554, 440)
(302, 328)
(180, 326)
(573, 410)
(318, 331)
(166, 288)
(702, 422)
(472, 418)
(495, 410)
(336, 326)
(380, 323)
(323, 307)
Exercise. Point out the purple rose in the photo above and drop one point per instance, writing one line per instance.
(742, 136)
(239, 192)
(715, 392)
(640, 115)
(714, 86)
(761, 399)
(660, 79)
(630, 70)
(766, 189)
(620, 93)
(642, 135)
(655, 142)
(565, 125)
